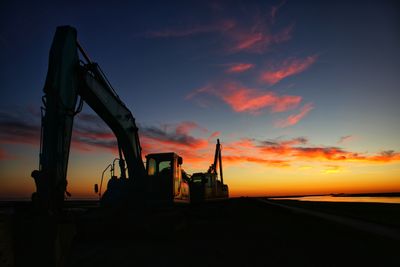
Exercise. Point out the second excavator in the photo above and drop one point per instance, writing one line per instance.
(205, 186)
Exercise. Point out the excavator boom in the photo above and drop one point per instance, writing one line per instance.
(61, 94)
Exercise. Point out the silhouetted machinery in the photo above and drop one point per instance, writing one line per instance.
(206, 186)
(69, 78)
(69, 82)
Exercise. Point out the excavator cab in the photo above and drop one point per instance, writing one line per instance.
(165, 182)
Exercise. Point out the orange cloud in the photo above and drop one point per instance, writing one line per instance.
(328, 153)
(296, 149)
(291, 149)
(250, 100)
(295, 118)
(239, 67)
(385, 156)
(286, 69)
(90, 135)
(241, 159)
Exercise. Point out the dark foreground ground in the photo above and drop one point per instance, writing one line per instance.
(237, 232)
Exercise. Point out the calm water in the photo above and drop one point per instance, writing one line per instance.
(395, 200)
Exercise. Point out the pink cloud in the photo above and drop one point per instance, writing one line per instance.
(250, 100)
(256, 39)
(295, 118)
(286, 69)
(286, 103)
(239, 67)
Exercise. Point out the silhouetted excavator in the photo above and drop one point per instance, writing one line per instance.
(205, 186)
(69, 78)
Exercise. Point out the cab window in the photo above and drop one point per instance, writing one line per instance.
(164, 167)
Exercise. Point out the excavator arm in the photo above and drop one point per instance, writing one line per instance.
(99, 95)
(67, 79)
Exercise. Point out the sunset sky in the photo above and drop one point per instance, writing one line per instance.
(304, 96)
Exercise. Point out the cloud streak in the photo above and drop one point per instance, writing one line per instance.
(239, 67)
(257, 38)
(15, 128)
(346, 139)
(89, 132)
(295, 118)
(266, 162)
(249, 100)
(252, 34)
(286, 69)
(175, 135)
